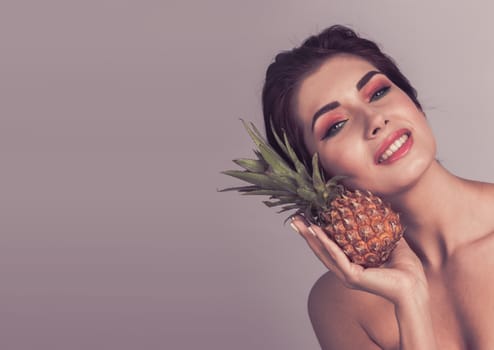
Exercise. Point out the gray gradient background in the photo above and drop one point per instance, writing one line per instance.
(116, 118)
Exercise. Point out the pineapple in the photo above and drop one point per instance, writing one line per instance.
(365, 227)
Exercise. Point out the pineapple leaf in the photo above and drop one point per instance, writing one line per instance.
(322, 193)
(278, 165)
(334, 183)
(306, 194)
(270, 204)
(278, 140)
(288, 207)
(253, 165)
(254, 134)
(317, 180)
(285, 182)
(268, 153)
(273, 193)
(258, 133)
(240, 188)
(301, 169)
(303, 177)
(259, 155)
(274, 203)
(260, 180)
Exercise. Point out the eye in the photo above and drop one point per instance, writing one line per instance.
(379, 93)
(334, 129)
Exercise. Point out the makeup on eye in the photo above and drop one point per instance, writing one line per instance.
(330, 125)
(334, 129)
(379, 93)
(372, 86)
(376, 91)
(376, 88)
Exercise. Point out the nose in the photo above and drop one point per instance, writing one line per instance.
(376, 123)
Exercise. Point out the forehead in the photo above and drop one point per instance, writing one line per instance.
(335, 78)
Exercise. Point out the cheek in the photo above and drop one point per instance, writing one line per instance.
(424, 134)
(342, 159)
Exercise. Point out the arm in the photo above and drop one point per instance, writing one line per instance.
(334, 322)
(415, 323)
(402, 282)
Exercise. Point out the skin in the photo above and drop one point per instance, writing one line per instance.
(434, 292)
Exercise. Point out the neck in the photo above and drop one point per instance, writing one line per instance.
(436, 212)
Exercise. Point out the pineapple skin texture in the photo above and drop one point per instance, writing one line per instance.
(365, 228)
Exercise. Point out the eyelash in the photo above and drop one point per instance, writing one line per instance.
(336, 127)
(379, 93)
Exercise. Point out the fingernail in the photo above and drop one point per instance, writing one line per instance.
(311, 230)
(294, 227)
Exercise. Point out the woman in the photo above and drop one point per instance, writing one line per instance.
(340, 96)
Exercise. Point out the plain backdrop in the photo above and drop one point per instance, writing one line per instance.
(116, 118)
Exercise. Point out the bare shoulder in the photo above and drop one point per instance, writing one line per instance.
(486, 194)
(474, 257)
(478, 223)
(483, 218)
(337, 315)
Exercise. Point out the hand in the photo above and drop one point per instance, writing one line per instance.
(400, 276)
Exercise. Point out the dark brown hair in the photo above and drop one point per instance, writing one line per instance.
(290, 68)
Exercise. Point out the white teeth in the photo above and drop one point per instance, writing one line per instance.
(393, 148)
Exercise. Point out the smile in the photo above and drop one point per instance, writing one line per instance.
(393, 148)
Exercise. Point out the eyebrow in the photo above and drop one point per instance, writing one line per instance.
(366, 78)
(335, 104)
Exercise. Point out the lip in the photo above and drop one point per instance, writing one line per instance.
(388, 141)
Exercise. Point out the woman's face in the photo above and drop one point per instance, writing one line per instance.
(364, 127)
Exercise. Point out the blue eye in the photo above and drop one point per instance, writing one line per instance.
(334, 129)
(379, 93)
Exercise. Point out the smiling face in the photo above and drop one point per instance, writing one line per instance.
(363, 126)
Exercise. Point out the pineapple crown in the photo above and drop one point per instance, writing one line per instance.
(291, 187)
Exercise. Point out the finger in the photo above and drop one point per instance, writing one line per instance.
(300, 225)
(321, 253)
(313, 242)
(349, 270)
(318, 241)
